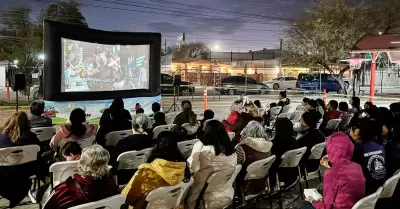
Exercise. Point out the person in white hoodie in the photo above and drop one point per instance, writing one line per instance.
(214, 152)
(253, 146)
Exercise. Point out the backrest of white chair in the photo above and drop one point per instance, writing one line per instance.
(157, 130)
(300, 107)
(83, 143)
(292, 158)
(286, 109)
(296, 116)
(113, 202)
(231, 135)
(316, 151)
(369, 201)
(275, 110)
(333, 124)
(389, 186)
(18, 155)
(151, 122)
(259, 169)
(44, 133)
(170, 117)
(169, 196)
(319, 123)
(222, 178)
(189, 128)
(133, 159)
(284, 115)
(62, 170)
(346, 120)
(112, 138)
(186, 146)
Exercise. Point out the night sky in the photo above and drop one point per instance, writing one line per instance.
(237, 25)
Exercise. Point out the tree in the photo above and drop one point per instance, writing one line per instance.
(63, 11)
(190, 50)
(331, 27)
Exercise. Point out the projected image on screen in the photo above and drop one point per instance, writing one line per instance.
(99, 67)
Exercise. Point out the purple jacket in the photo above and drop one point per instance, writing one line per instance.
(344, 182)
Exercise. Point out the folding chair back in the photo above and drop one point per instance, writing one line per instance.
(186, 146)
(19, 155)
(319, 123)
(60, 171)
(333, 124)
(112, 138)
(286, 109)
(190, 129)
(284, 115)
(170, 117)
(133, 159)
(157, 130)
(316, 151)
(291, 158)
(168, 197)
(389, 186)
(114, 202)
(369, 201)
(259, 169)
(231, 135)
(44, 133)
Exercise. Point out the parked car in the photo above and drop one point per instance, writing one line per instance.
(237, 84)
(282, 83)
(167, 85)
(316, 81)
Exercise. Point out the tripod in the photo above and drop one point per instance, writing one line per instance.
(174, 105)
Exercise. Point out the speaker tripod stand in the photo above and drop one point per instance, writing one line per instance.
(174, 105)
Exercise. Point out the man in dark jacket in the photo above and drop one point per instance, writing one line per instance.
(35, 118)
(310, 136)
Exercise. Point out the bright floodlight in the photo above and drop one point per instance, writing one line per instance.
(216, 47)
(15, 62)
(41, 56)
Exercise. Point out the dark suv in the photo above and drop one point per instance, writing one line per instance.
(237, 84)
(167, 85)
(316, 81)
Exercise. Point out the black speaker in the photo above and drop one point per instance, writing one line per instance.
(177, 80)
(18, 82)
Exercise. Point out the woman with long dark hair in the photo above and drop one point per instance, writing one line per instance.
(117, 106)
(214, 152)
(78, 129)
(165, 167)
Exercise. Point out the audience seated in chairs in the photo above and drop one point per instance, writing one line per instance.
(309, 136)
(283, 100)
(186, 116)
(155, 107)
(369, 154)
(36, 117)
(283, 142)
(117, 122)
(344, 182)
(77, 130)
(71, 151)
(214, 152)
(165, 167)
(159, 120)
(14, 180)
(116, 105)
(89, 184)
(332, 111)
(253, 146)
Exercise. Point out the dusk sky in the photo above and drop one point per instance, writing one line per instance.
(237, 25)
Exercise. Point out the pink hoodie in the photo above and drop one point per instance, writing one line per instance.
(344, 182)
(63, 133)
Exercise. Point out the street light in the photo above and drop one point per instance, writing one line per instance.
(15, 62)
(41, 56)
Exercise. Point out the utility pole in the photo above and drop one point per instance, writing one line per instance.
(280, 60)
(165, 56)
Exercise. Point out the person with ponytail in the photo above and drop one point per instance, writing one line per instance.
(78, 128)
(138, 141)
(118, 122)
(116, 106)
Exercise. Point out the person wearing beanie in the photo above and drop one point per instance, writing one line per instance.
(310, 136)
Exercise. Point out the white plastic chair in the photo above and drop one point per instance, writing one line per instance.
(114, 202)
(319, 123)
(389, 186)
(296, 116)
(190, 129)
(259, 170)
(170, 117)
(185, 147)
(290, 159)
(168, 197)
(231, 135)
(151, 122)
(44, 133)
(286, 109)
(112, 138)
(218, 178)
(284, 115)
(60, 171)
(369, 201)
(157, 130)
(274, 112)
(345, 122)
(316, 154)
(132, 159)
(333, 124)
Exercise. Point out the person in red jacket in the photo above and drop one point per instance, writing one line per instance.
(88, 185)
(333, 112)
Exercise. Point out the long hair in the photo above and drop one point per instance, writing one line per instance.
(166, 148)
(16, 126)
(283, 128)
(77, 117)
(356, 103)
(117, 104)
(215, 135)
(140, 122)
